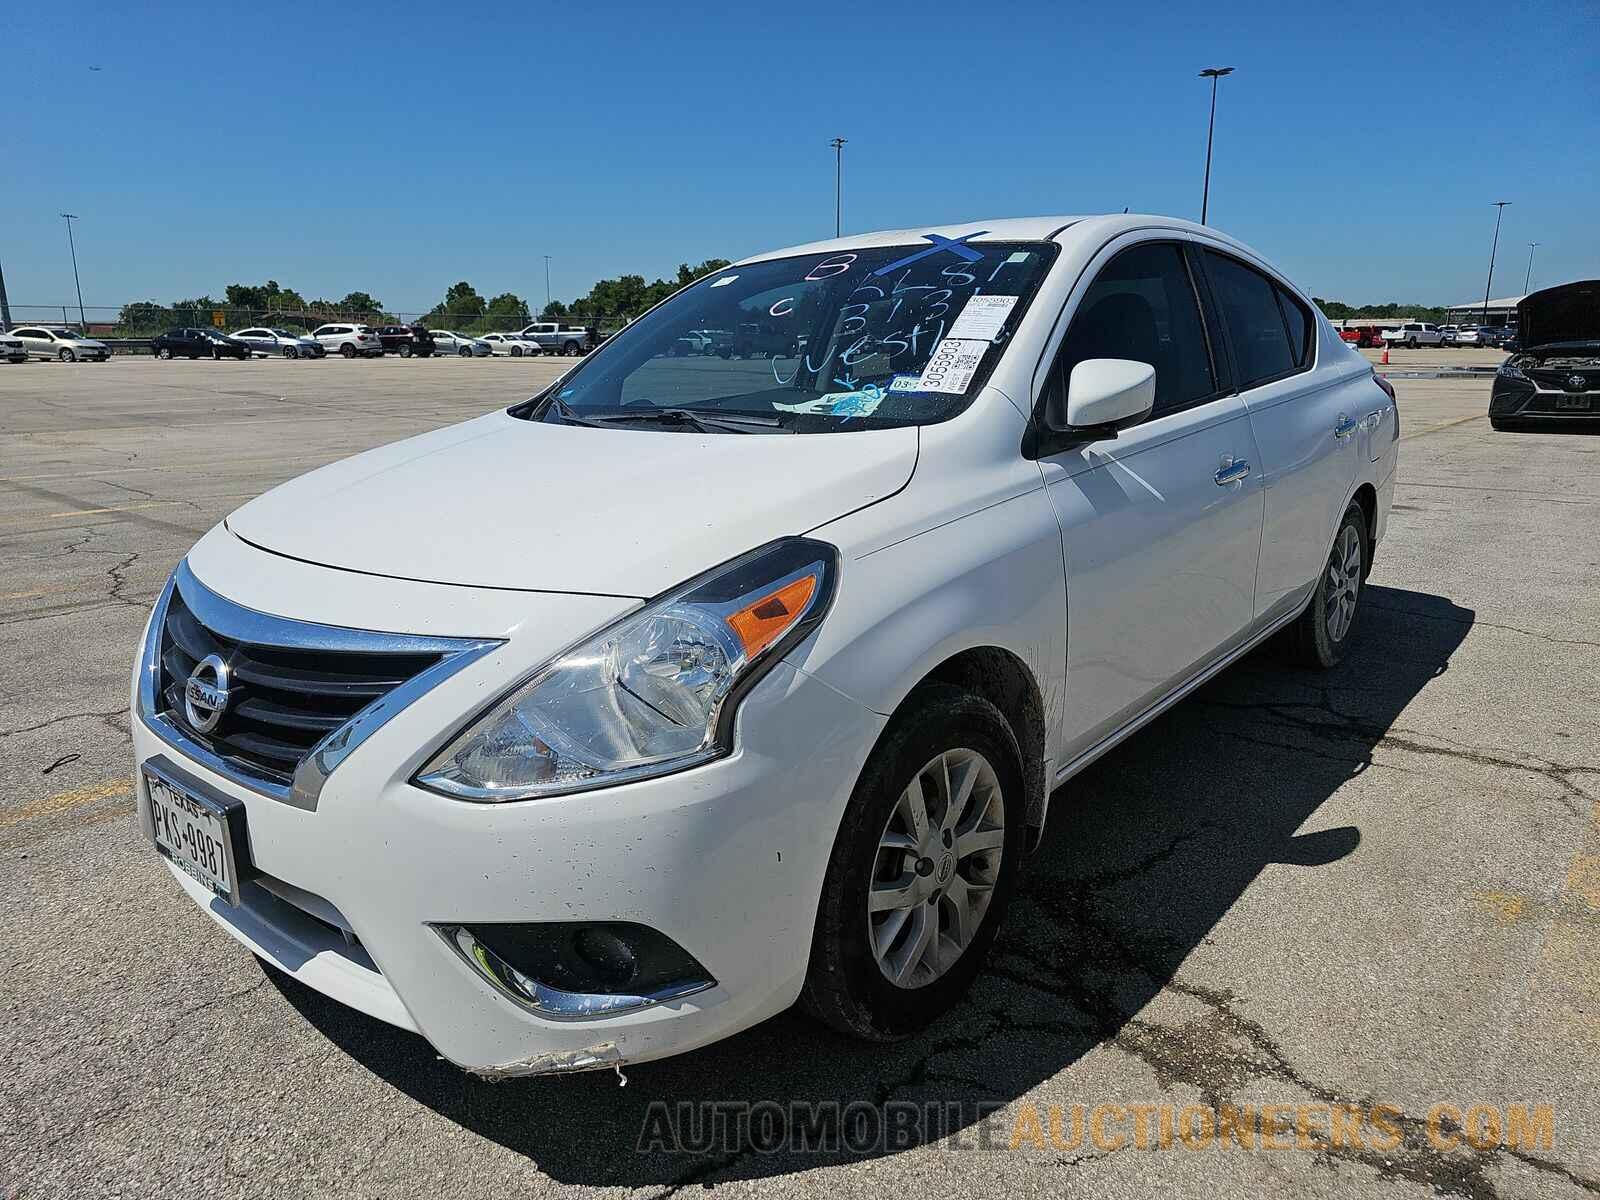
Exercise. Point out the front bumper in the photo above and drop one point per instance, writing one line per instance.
(726, 859)
(1520, 399)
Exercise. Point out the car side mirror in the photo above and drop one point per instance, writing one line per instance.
(1103, 395)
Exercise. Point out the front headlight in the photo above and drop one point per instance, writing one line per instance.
(654, 693)
(1511, 369)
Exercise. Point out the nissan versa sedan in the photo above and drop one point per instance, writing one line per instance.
(564, 766)
(65, 345)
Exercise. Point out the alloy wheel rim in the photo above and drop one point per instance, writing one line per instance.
(936, 868)
(1344, 583)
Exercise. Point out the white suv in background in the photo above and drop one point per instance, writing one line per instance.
(1415, 333)
(349, 340)
(604, 726)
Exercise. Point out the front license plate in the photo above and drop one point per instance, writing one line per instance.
(1578, 402)
(197, 834)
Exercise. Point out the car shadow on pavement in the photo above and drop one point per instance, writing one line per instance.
(1145, 853)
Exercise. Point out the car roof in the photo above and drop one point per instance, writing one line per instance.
(1063, 228)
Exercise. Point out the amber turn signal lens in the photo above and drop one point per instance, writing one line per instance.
(764, 621)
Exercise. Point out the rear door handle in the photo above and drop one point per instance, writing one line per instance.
(1345, 427)
(1231, 474)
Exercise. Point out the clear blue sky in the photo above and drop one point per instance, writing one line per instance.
(396, 148)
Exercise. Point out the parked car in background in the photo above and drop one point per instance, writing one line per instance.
(198, 343)
(1497, 336)
(1447, 335)
(12, 348)
(571, 340)
(511, 344)
(280, 342)
(1363, 336)
(406, 340)
(46, 341)
(650, 723)
(1468, 335)
(1554, 374)
(447, 341)
(1413, 334)
(349, 340)
(757, 340)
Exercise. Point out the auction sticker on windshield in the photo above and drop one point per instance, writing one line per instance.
(955, 361)
(983, 317)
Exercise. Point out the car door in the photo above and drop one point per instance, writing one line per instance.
(1161, 524)
(31, 339)
(1304, 423)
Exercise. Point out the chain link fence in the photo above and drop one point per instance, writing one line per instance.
(141, 321)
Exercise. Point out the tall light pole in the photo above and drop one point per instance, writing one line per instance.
(838, 184)
(1499, 211)
(83, 321)
(5, 305)
(1213, 74)
(1527, 280)
(546, 285)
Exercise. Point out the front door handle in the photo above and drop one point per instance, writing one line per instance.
(1232, 474)
(1345, 427)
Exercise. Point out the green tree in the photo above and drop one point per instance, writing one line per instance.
(461, 306)
(143, 316)
(361, 302)
(506, 311)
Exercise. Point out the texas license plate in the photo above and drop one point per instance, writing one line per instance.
(200, 836)
(1578, 402)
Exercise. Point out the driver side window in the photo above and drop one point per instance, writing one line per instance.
(1142, 306)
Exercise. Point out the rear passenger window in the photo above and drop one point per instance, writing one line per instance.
(1249, 307)
(1142, 307)
(1298, 322)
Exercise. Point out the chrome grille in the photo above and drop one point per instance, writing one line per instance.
(300, 697)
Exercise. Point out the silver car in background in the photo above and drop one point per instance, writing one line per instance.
(281, 342)
(447, 341)
(47, 342)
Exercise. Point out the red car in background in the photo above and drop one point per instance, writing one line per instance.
(1363, 336)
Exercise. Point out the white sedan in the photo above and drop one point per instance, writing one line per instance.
(43, 341)
(447, 341)
(774, 712)
(512, 344)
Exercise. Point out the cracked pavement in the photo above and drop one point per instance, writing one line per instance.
(1375, 886)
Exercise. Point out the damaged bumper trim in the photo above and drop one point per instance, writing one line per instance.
(553, 1002)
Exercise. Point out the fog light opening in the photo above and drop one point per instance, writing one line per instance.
(577, 970)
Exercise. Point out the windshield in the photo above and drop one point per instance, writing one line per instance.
(819, 342)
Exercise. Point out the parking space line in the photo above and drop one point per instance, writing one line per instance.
(62, 801)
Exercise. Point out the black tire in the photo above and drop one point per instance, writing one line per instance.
(516, 352)
(347, 350)
(405, 350)
(165, 353)
(465, 352)
(1412, 344)
(1309, 641)
(571, 349)
(216, 355)
(67, 355)
(845, 987)
(290, 352)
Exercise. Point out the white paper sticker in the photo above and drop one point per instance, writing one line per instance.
(725, 281)
(952, 366)
(860, 403)
(1018, 256)
(904, 383)
(983, 317)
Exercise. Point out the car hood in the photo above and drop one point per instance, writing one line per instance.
(506, 503)
(1569, 313)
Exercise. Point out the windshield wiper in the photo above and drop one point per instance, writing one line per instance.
(705, 422)
(564, 411)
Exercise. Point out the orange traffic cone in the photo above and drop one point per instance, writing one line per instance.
(1385, 359)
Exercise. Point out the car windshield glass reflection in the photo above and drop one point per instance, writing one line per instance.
(882, 336)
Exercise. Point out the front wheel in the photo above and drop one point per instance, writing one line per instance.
(465, 352)
(405, 350)
(290, 352)
(921, 869)
(347, 350)
(67, 356)
(165, 353)
(1322, 634)
(516, 352)
(571, 349)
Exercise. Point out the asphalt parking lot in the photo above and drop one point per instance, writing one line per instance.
(1379, 886)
